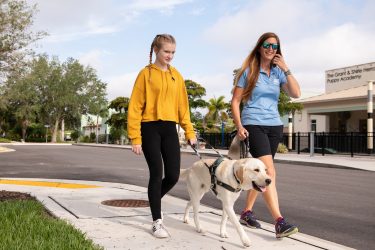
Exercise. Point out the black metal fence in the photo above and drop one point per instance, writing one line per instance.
(332, 143)
(324, 143)
(217, 140)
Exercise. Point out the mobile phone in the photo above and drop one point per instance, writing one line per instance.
(274, 65)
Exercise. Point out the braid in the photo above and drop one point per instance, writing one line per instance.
(150, 62)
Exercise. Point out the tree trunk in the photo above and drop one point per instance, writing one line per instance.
(24, 128)
(62, 137)
(54, 131)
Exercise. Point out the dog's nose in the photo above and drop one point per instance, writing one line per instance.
(268, 181)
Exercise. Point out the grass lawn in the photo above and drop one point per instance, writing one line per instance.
(25, 224)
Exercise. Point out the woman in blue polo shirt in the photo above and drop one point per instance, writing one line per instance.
(257, 86)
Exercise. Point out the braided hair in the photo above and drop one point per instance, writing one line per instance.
(158, 43)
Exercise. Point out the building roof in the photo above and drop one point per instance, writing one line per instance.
(346, 94)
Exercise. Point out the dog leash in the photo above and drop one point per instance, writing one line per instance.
(211, 147)
(244, 148)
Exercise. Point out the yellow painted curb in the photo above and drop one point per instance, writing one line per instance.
(4, 149)
(46, 184)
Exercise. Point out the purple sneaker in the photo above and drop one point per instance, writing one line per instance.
(248, 219)
(284, 229)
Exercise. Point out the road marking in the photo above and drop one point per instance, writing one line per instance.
(46, 184)
(4, 149)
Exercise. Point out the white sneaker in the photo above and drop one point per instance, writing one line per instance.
(158, 229)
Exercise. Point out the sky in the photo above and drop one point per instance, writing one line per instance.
(213, 37)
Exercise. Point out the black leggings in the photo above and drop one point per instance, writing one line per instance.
(160, 144)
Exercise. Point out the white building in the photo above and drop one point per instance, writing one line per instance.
(343, 106)
(89, 125)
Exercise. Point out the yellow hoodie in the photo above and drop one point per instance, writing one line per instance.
(163, 98)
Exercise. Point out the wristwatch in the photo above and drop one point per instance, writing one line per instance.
(288, 72)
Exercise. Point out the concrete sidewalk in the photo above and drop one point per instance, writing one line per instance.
(130, 227)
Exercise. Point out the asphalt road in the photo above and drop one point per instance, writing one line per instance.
(333, 204)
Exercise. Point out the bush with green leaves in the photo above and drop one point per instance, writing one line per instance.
(75, 135)
(282, 149)
(92, 137)
(4, 140)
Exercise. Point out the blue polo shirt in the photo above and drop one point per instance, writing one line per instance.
(261, 108)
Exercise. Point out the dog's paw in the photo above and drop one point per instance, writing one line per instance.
(186, 220)
(223, 235)
(203, 232)
(246, 242)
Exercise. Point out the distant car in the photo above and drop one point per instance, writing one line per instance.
(319, 150)
(68, 137)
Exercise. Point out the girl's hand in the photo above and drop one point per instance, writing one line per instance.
(137, 149)
(193, 141)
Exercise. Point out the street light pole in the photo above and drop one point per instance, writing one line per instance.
(46, 126)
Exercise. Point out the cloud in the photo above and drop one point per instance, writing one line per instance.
(71, 20)
(197, 11)
(165, 6)
(66, 37)
(340, 46)
(243, 27)
(93, 58)
(121, 85)
(215, 84)
(315, 36)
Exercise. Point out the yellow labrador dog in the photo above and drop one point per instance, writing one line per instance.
(243, 174)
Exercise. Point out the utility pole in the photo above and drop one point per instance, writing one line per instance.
(370, 108)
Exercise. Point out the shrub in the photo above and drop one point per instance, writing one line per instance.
(4, 140)
(13, 136)
(92, 137)
(75, 135)
(282, 149)
(84, 139)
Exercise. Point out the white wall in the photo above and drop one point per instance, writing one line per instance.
(302, 122)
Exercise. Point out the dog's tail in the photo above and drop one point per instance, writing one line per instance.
(184, 174)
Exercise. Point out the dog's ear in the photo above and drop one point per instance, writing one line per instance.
(234, 149)
(240, 173)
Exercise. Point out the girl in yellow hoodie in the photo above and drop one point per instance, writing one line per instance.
(158, 102)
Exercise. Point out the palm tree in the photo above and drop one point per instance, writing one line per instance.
(216, 110)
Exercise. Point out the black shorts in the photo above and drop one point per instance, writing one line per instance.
(264, 140)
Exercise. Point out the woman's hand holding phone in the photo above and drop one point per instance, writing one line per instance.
(279, 61)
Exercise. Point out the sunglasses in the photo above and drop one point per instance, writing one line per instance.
(274, 46)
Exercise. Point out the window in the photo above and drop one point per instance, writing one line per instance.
(313, 125)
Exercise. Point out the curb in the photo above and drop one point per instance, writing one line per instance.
(214, 154)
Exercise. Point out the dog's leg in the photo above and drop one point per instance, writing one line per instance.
(186, 216)
(232, 216)
(196, 193)
(196, 204)
(189, 204)
(223, 226)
